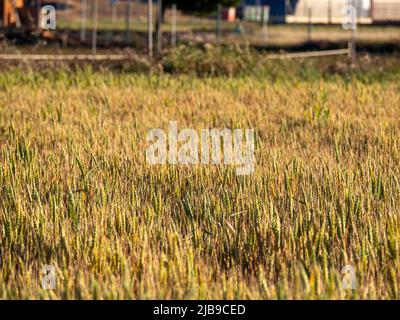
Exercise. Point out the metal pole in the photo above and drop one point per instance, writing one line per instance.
(113, 11)
(173, 30)
(261, 8)
(150, 26)
(371, 11)
(137, 15)
(67, 10)
(265, 16)
(83, 19)
(159, 24)
(354, 43)
(94, 32)
(330, 11)
(128, 20)
(309, 27)
(219, 18)
(37, 9)
(358, 11)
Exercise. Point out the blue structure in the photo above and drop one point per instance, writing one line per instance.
(278, 8)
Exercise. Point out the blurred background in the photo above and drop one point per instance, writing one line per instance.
(271, 24)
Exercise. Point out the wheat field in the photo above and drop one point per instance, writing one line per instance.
(77, 193)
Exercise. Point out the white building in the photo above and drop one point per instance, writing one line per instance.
(332, 11)
(385, 11)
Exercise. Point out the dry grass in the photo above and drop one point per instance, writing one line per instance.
(76, 191)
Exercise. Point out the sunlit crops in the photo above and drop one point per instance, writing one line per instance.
(76, 191)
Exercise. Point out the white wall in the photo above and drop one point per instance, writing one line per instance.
(325, 10)
(386, 10)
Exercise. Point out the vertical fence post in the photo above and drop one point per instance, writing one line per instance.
(218, 22)
(37, 16)
(329, 11)
(354, 43)
(265, 17)
(352, 15)
(159, 26)
(94, 31)
(128, 19)
(67, 11)
(309, 27)
(137, 15)
(113, 11)
(150, 27)
(83, 20)
(173, 29)
(358, 11)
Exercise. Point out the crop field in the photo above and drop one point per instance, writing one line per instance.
(77, 193)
